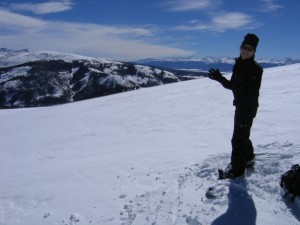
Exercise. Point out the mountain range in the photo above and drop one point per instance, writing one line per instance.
(30, 79)
(204, 64)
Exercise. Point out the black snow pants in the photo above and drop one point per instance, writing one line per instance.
(242, 148)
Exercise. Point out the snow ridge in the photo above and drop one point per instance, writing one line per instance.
(12, 58)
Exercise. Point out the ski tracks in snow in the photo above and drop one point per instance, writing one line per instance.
(180, 199)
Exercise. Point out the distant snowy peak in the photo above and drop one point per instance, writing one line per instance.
(284, 61)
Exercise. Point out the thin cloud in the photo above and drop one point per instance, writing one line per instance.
(270, 5)
(231, 21)
(221, 23)
(43, 8)
(116, 42)
(17, 22)
(187, 5)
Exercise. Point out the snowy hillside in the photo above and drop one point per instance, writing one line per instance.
(147, 157)
(48, 78)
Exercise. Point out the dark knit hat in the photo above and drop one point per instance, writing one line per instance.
(251, 39)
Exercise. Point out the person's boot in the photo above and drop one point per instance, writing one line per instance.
(230, 173)
(250, 161)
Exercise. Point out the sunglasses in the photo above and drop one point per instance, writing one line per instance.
(248, 49)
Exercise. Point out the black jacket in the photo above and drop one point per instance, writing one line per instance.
(245, 83)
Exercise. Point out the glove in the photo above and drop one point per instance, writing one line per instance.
(214, 74)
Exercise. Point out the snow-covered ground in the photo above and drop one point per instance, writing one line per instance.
(147, 157)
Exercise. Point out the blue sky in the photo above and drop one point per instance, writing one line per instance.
(135, 29)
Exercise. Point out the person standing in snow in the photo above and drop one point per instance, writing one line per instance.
(245, 83)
